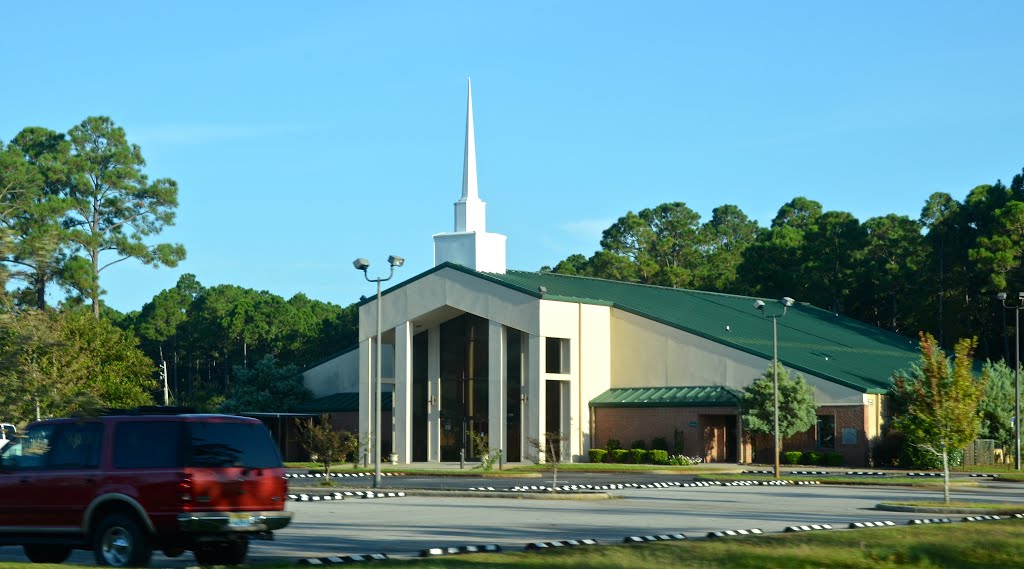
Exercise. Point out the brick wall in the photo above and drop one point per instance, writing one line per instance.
(846, 417)
(699, 430)
(682, 427)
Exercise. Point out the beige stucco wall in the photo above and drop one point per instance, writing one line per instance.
(589, 334)
(650, 354)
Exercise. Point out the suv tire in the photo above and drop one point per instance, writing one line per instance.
(120, 541)
(222, 552)
(46, 553)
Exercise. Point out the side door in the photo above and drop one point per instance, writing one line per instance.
(72, 474)
(23, 488)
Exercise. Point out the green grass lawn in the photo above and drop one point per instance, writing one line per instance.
(991, 545)
(978, 545)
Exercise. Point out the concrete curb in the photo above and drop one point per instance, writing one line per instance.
(650, 538)
(556, 544)
(336, 559)
(859, 525)
(462, 549)
(520, 495)
(734, 533)
(812, 527)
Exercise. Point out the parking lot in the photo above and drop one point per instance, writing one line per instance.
(404, 526)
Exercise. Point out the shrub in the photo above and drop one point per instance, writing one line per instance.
(613, 444)
(597, 454)
(659, 443)
(914, 457)
(812, 458)
(792, 457)
(677, 441)
(638, 444)
(638, 455)
(658, 456)
(619, 455)
(833, 459)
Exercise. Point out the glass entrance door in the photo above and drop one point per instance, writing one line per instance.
(463, 415)
(463, 385)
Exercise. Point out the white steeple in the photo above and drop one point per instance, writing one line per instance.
(470, 244)
(470, 211)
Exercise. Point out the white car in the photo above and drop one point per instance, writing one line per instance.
(7, 432)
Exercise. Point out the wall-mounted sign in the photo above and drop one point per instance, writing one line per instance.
(693, 423)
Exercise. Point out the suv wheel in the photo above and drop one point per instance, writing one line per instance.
(120, 542)
(46, 553)
(222, 552)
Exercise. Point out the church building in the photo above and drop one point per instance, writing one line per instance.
(471, 348)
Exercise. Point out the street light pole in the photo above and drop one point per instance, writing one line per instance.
(775, 389)
(376, 407)
(786, 302)
(1016, 372)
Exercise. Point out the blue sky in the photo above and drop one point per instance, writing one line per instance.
(304, 135)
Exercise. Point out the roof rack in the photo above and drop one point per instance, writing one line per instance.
(150, 410)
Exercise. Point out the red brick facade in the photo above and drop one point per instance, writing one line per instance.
(710, 432)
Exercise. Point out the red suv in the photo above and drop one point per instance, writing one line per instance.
(128, 482)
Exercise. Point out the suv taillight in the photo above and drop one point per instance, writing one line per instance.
(185, 491)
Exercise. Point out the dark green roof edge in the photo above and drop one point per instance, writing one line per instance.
(726, 397)
(341, 402)
(326, 359)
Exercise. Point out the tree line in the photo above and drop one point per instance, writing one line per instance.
(939, 272)
(73, 204)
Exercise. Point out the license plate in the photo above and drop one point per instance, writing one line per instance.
(240, 520)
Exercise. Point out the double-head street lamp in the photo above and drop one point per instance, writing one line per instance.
(1016, 370)
(786, 302)
(375, 407)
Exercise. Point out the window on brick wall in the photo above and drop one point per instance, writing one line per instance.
(827, 431)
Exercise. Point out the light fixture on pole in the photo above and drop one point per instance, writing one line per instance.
(1016, 371)
(759, 305)
(375, 407)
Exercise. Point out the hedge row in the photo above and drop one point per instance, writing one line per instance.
(813, 458)
(631, 456)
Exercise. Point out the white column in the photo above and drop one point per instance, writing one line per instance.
(401, 435)
(534, 413)
(570, 436)
(365, 397)
(434, 393)
(496, 392)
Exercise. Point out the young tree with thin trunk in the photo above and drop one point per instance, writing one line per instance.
(328, 446)
(796, 405)
(937, 400)
(549, 453)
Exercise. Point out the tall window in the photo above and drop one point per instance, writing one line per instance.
(827, 431)
(557, 355)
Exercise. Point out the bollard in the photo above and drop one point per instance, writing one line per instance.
(462, 459)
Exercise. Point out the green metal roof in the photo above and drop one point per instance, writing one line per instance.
(339, 402)
(689, 396)
(815, 341)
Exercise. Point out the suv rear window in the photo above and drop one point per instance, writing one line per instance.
(221, 444)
